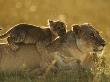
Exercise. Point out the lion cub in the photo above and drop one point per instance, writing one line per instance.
(31, 34)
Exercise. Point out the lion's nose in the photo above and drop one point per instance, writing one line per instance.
(103, 44)
(100, 48)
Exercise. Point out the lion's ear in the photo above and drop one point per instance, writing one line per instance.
(50, 22)
(76, 28)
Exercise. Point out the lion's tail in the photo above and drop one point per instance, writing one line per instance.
(2, 36)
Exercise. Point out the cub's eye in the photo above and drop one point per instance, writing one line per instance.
(92, 35)
(58, 27)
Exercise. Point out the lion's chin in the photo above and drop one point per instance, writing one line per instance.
(100, 53)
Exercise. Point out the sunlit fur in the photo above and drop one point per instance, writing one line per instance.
(31, 34)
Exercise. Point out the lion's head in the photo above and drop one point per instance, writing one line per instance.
(58, 27)
(88, 38)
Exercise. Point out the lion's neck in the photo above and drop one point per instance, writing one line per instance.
(82, 48)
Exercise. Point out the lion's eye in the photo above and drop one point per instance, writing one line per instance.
(58, 27)
(91, 34)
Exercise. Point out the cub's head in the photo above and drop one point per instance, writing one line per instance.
(57, 27)
(89, 37)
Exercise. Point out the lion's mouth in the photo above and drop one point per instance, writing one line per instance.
(98, 49)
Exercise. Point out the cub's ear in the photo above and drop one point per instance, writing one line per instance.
(76, 28)
(50, 22)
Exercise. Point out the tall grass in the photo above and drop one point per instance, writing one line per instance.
(98, 73)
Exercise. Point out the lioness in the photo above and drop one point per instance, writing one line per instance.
(79, 42)
(31, 34)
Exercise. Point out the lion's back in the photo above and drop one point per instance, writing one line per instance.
(30, 33)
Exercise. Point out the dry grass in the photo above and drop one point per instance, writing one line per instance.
(98, 73)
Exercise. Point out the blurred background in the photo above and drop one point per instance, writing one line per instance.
(96, 12)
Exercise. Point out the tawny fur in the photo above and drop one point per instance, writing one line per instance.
(30, 58)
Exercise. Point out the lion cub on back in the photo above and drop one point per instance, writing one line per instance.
(31, 34)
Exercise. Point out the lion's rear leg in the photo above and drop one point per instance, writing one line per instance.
(15, 39)
(12, 44)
